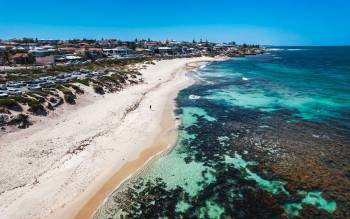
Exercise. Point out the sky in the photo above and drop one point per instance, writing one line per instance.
(265, 22)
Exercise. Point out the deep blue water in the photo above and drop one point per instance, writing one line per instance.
(264, 136)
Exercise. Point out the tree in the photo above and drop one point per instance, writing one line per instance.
(7, 56)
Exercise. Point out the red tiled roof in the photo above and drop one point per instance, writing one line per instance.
(20, 55)
(95, 49)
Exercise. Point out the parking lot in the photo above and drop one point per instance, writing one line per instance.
(19, 87)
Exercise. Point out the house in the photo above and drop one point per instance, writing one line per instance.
(144, 51)
(151, 45)
(22, 58)
(42, 51)
(91, 53)
(118, 52)
(45, 60)
(67, 50)
(18, 49)
(164, 50)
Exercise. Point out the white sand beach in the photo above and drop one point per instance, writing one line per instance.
(66, 165)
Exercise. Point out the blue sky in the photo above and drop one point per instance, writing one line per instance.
(272, 22)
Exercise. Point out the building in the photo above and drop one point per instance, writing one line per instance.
(151, 45)
(143, 51)
(45, 60)
(91, 53)
(67, 50)
(164, 50)
(118, 52)
(22, 58)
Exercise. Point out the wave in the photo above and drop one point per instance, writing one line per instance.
(295, 49)
(285, 49)
(202, 66)
(276, 49)
(193, 97)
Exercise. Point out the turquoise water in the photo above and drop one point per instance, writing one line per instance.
(314, 82)
(233, 130)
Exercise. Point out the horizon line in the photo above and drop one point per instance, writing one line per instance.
(197, 40)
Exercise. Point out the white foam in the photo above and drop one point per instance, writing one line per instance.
(194, 97)
(295, 49)
(275, 49)
(245, 79)
(202, 66)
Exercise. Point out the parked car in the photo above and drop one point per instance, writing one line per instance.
(13, 91)
(3, 94)
(37, 87)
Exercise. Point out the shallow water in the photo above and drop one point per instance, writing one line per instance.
(243, 126)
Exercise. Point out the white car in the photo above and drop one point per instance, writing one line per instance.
(34, 88)
(3, 94)
(13, 91)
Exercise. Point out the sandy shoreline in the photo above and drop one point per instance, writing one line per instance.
(117, 133)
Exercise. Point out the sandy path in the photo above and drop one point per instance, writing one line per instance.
(59, 165)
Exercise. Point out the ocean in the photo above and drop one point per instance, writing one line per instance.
(265, 136)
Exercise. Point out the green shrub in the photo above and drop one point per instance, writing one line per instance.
(37, 109)
(58, 102)
(70, 98)
(77, 89)
(49, 106)
(21, 99)
(64, 90)
(52, 100)
(85, 81)
(98, 89)
(10, 104)
(36, 98)
(21, 120)
(4, 111)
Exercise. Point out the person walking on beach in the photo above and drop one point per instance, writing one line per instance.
(150, 107)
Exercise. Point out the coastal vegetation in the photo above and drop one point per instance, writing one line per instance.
(41, 101)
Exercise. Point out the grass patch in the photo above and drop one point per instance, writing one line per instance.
(85, 81)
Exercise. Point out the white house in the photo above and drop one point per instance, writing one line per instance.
(118, 52)
(164, 50)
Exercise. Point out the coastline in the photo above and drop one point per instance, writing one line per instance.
(76, 187)
(164, 140)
